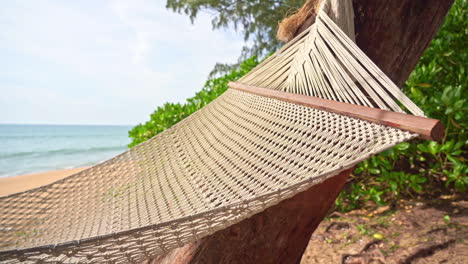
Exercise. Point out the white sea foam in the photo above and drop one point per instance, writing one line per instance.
(37, 148)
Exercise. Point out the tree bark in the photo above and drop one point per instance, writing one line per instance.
(393, 34)
(279, 234)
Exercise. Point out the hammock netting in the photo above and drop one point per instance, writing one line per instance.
(235, 157)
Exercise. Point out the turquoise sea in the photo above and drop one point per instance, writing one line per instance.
(37, 148)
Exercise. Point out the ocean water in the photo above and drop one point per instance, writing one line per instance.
(37, 148)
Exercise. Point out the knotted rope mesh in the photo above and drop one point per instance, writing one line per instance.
(324, 62)
(237, 156)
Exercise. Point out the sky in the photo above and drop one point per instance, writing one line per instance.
(102, 62)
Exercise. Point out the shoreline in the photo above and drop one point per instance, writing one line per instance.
(20, 183)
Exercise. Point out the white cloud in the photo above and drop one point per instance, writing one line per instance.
(102, 61)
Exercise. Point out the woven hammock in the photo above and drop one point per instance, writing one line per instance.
(249, 149)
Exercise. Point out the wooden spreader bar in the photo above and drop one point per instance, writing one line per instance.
(427, 128)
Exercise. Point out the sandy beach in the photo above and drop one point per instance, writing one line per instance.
(14, 184)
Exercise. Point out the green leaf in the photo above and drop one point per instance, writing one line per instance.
(460, 185)
(459, 104)
(416, 92)
(423, 148)
(446, 219)
(358, 170)
(417, 187)
(386, 164)
(448, 145)
(433, 147)
(458, 145)
(424, 85)
(403, 146)
(378, 236)
(454, 160)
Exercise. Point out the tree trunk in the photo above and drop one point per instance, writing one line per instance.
(393, 34)
(279, 234)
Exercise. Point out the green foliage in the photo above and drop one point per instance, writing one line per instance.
(170, 113)
(256, 19)
(438, 85)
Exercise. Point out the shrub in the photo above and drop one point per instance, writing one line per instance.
(438, 85)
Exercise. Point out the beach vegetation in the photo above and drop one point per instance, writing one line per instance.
(438, 85)
(412, 169)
